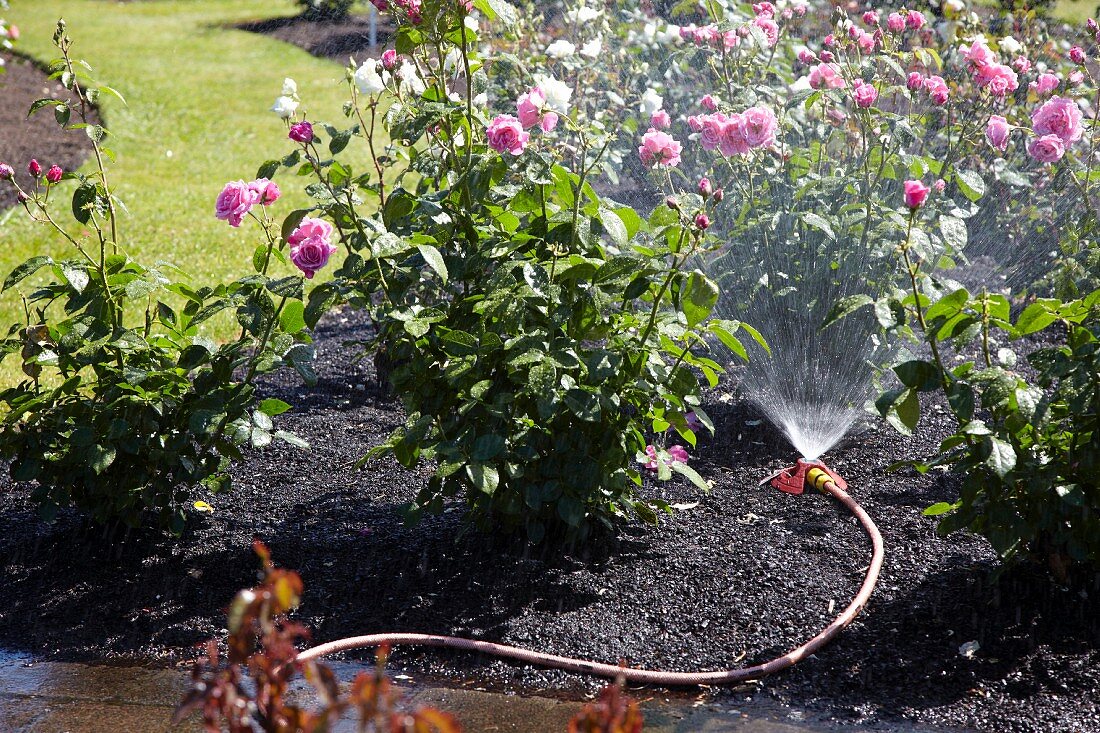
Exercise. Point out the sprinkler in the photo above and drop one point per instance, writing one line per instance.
(792, 480)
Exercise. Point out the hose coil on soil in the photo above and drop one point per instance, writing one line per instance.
(646, 676)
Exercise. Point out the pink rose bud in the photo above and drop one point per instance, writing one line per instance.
(702, 221)
(1092, 26)
(915, 81)
(678, 454)
(6, 172)
(826, 57)
(854, 32)
(800, 9)
(660, 119)
(34, 168)
(997, 132)
(13, 32)
(719, 194)
(915, 20)
(705, 189)
(22, 197)
(708, 103)
(830, 41)
(389, 58)
(301, 132)
(1076, 77)
(672, 203)
(871, 18)
(268, 191)
(806, 56)
(506, 135)
(1022, 64)
(939, 185)
(53, 175)
(895, 22)
(1077, 55)
(382, 5)
(915, 194)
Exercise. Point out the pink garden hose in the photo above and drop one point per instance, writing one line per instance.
(647, 676)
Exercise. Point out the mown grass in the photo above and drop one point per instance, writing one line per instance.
(198, 95)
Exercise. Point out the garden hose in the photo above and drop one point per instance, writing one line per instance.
(816, 476)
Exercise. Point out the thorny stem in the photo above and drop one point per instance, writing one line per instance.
(914, 269)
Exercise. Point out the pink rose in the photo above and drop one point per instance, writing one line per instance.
(1045, 84)
(530, 105)
(914, 81)
(979, 55)
(915, 194)
(702, 221)
(310, 246)
(827, 56)
(895, 22)
(998, 79)
(1077, 55)
(659, 148)
(1058, 116)
(826, 76)
(6, 172)
(733, 139)
(660, 120)
(714, 128)
(870, 18)
(13, 32)
(1046, 149)
(806, 56)
(301, 132)
(915, 20)
(1022, 64)
(506, 135)
(866, 42)
(705, 187)
(730, 39)
(53, 175)
(763, 10)
(389, 59)
(1076, 77)
(268, 191)
(937, 89)
(830, 41)
(770, 29)
(234, 202)
(997, 132)
(759, 126)
(695, 122)
(708, 103)
(865, 95)
(939, 185)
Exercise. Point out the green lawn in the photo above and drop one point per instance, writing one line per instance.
(197, 116)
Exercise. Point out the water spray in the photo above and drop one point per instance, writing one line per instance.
(792, 480)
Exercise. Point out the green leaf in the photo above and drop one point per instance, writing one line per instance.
(819, 222)
(727, 338)
(847, 306)
(941, 507)
(971, 184)
(25, 270)
(272, 407)
(84, 198)
(487, 447)
(77, 277)
(288, 287)
(584, 405)
(434, 259)
(1002, 457)
(698, 298)
(268, 169)
(291, 439)
(459, 343)
(691, 474)
(1035, 317)
(614, 226)
(919, 375)
(484, 478)
(292, 318)
(954, 232)
(900, 408)
(102, 457)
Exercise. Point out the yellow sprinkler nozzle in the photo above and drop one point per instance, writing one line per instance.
(817, 477)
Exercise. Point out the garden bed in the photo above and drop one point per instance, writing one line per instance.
(336, 40)
(742, 576)
(38, 137)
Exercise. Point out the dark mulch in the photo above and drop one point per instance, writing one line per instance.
(742, 576)
(38, 137)
(328, 39)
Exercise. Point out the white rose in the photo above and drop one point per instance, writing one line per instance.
(410, 78)
(582, 15)
(285, 107)
(1010, 45)
(651, 102)
(367, 78)
(953, 7)
(593, 48)
(560, 49)
(670, 34)
(557, 93)
(290, 88)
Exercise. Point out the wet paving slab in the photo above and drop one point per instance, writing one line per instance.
(68, 697)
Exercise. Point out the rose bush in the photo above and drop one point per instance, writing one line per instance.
(127, 407)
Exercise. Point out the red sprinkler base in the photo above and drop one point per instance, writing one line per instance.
(791, 480)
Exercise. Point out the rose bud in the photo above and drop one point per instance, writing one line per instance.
(34, 168)
(1077, 55)
(719, 194)
(301, 132)
(672, 203)
(702, 221)
(53, 175)
(6, 172)
(704, 187)
(915, 194)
